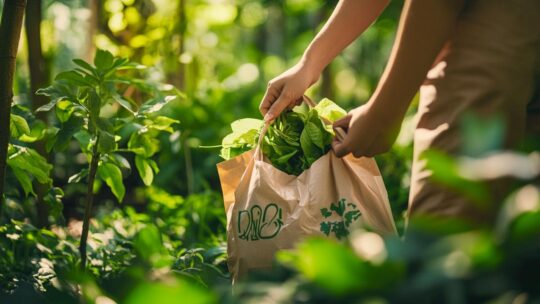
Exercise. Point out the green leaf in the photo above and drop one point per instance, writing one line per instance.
(84, 138)
(173, 291)
(106, 124)
(123, 102)
(37, 132)
(18, 126)
(337, 269)
(120, 161)
(106, 142)
(59, 91)
(149, 246)
(154, 165)
(246, 125)
(30, 161)
(66, 132)
(315, 134)
(103, 60)
(50, 138)
(145, 170)
(47, 107)
(143, 144)
(75, 178)
(53, 198)
(156, 104)
(24, 179)
(93, 103)
(85, 65)
(244, 136)
(64, 110)
(112, 176)
(73, 78)
(163, 123)
(329, 110)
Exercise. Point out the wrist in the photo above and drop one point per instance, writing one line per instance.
(311, 66)
(386, 111)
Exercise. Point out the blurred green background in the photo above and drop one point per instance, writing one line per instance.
(166, 243)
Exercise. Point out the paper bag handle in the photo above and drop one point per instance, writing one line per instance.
(258, 148)
(340, 133)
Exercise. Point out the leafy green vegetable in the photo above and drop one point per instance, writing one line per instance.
(293, 142)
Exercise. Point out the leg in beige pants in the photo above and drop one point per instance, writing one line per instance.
(490, 66)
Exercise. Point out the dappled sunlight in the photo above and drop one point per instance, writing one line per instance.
(369, 246)
(139, 168)
(501, 164)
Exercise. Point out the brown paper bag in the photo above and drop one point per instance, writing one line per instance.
(269, 210)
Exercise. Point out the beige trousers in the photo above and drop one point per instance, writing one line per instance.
(489, 66)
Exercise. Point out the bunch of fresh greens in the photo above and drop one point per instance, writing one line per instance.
(293, 142)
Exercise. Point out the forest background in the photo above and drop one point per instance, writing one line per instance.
(157, 225)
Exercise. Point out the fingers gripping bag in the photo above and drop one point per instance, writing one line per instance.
(274, 200)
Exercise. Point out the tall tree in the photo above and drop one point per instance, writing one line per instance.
(10, 33)
(39, 77)
(92, 27)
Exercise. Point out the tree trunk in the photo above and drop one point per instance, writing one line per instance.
(39, 77)
(327, 77)
(179, 81)
(182, 27)
(93, 24)
(10, 33)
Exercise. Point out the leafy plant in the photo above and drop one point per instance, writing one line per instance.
(25, 163)
(293, 142)
(94, 104)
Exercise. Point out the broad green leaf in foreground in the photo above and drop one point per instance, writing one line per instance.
(18, 126)
(145, 169)
(112, 176)
(329, 110)
(29, 161)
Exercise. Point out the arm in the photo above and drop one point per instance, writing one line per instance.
(349, 19)
(424, 28)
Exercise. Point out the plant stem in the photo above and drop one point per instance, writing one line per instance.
(89, 201)
(10, 33)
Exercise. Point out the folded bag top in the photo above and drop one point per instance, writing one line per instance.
(269, 210)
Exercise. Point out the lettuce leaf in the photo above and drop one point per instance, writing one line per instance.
(292, 143)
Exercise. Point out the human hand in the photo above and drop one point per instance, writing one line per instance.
(368, 133)
(286, 90)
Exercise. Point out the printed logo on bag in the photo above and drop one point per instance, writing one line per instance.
(347, 212)
(257, 223)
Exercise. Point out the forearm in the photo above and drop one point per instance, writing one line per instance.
(424, 28)
(349, 19)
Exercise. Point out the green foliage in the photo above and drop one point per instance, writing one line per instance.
(112, 176)
(128, 252)
(26, 165)
(293, 142)
(81, 97)
(18, 126)
(339, 270)
(244, 136)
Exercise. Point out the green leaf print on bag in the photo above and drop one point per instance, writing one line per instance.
(348, 214)
(256, 224)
